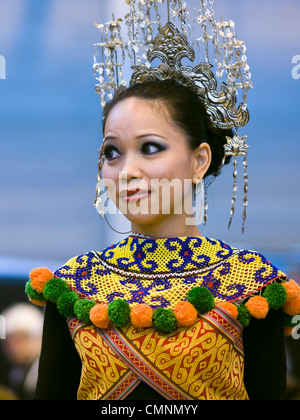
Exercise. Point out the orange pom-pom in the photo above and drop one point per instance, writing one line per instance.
(141, 315)
(185, 314)
(228, 307)
(99, 316)
(288, 331)
(292, 289)
(38, 302)
(292, 308)
(39, 277)
(258, 307)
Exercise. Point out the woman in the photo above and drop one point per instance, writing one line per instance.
(161, 313)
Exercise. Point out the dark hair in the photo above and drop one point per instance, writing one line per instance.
(186, 110)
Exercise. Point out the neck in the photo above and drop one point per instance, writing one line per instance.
(165, 230)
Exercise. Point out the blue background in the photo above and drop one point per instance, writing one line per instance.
(50, 131)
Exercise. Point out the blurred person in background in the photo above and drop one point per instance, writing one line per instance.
(21, 347)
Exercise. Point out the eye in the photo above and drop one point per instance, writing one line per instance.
(111, 153)
(151, 148)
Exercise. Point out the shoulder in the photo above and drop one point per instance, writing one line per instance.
(63, 286)
(240, 273)
(265, 287)
(82, 267)
(79, 266)
(256, 268)
(41, 278)
(247, 279)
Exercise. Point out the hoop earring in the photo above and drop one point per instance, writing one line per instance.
(115, 230)
(198, 197)
(98, 200)
(99, 192)
(102, 209)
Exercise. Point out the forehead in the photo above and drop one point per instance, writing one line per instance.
(136, 113)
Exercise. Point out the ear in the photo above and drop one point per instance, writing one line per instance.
(201, 161)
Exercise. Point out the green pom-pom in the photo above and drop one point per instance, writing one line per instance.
(276, 295)
(82, 309)
(201, 298)
(244, 316)
(119, 312)
(54, 288)
(164, 320)
(32, 293)
(66, 302)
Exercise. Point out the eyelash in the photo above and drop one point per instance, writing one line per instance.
(109, 149)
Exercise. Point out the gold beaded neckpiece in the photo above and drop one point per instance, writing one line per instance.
(139, 46)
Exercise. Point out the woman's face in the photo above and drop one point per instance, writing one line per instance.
(148, 166)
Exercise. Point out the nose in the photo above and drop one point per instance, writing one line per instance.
(130, 170)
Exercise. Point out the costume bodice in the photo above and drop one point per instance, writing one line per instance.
(202, 359)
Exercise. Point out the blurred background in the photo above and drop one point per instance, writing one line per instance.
(50, 131)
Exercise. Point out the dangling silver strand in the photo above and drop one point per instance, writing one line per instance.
(98, 200)
(235, 147)
(205, 207)
(245, 201)
(235, 187)
(198, 195)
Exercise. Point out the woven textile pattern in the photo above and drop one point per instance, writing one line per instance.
(204, 361)
(161, 272)
(102, 370)
(200, 362)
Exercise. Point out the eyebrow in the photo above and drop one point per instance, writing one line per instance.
(112, 138)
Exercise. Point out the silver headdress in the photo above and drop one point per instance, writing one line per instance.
(139, 39)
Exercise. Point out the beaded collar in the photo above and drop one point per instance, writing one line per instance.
(162, 274)
(149, 258)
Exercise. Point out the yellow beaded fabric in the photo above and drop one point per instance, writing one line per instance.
(160, 272)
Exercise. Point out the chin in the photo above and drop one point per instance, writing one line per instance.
(143, 219)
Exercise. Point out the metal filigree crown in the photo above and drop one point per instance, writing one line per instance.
(129, 45)
(170, 46)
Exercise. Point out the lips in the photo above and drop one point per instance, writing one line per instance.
(134, 193)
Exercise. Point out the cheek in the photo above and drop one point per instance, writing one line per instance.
(176, 165)
(109, 173)
(109, 180)
(180, 171)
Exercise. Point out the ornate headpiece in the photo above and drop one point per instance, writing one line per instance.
(132, 44)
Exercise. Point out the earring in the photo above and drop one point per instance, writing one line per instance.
(98, 203)
(236, 147)
(105, 217)
(205, 208)
(102, 208)
(245, 200)
(98, 200)
(198, 197)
